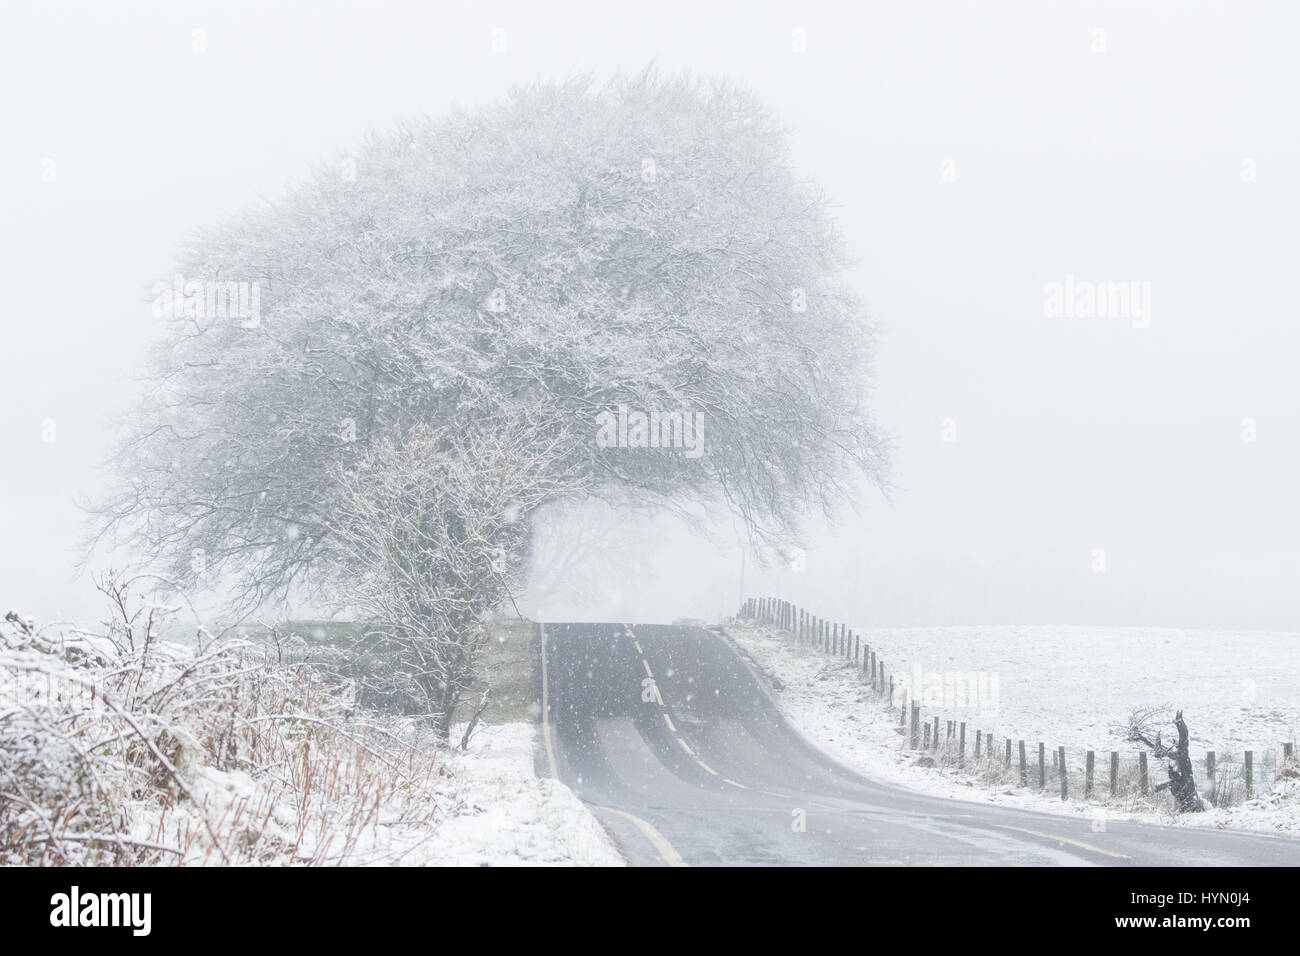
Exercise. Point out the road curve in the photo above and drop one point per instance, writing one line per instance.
(668, 735)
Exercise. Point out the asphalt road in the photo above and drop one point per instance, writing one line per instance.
(669, 736)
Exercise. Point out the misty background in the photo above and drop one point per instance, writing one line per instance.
(976, 152)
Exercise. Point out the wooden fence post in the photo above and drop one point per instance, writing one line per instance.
(1250, 774)
(916, 725)
(961, 746)
(1209, 764)
(979, 736)
(1288, 751)
(927, 735)
(1114, 771)
(1024, 776)
(936, 733)
(1008, 751)
(1142, 772)
(1065, 787)
(1087, 776)
(1042, 767)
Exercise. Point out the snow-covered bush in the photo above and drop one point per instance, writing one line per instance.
(120, 748)
(430, 539)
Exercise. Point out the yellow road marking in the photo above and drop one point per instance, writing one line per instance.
(662, 846)
(1061, 839)
(546, 709)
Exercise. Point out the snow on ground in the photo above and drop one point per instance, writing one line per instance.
(830, 703)
(222, 754)
(506, 815)
(485, 807)
(1069, 685)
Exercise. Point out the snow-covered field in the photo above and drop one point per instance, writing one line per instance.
(1071, 685)
(830, 704)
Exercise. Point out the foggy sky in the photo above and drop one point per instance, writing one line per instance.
(1071, 434)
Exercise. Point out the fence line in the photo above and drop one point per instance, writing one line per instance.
(1227, 775)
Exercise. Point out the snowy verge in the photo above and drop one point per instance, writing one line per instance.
(506, 815)
(119, 748)
(827, 700)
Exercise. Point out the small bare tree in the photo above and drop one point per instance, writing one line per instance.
(1178, 762)
(430, 535)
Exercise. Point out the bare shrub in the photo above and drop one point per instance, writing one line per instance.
(118, 748)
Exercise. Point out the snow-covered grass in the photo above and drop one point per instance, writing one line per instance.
(117, 748)
(1071, 685)
(832, 704)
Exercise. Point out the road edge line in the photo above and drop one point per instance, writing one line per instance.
(657, 840)
(546, 707)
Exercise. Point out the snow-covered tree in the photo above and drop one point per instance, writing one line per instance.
(429, 536)
(568, 251)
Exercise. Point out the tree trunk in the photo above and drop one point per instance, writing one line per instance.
(1182, 784)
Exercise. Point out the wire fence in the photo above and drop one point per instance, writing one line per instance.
(1225, 778)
